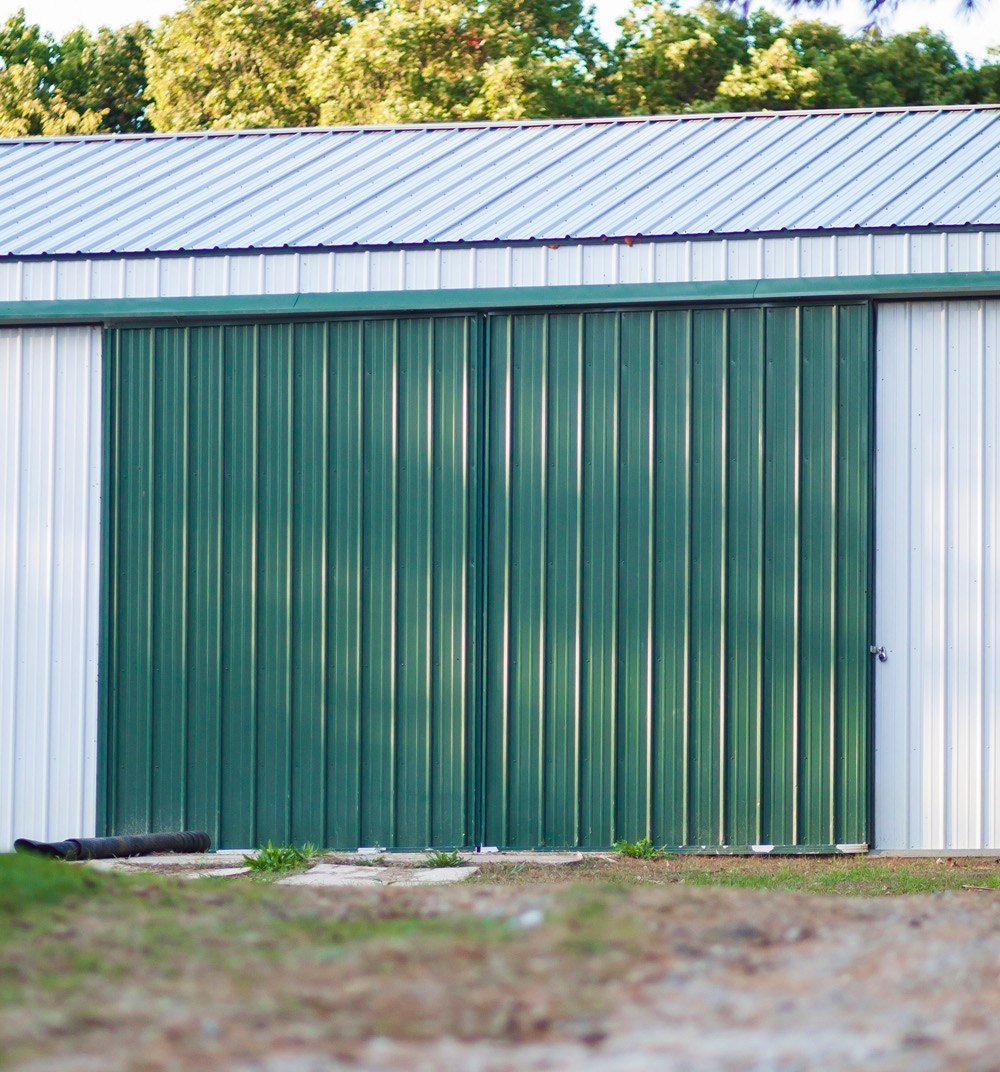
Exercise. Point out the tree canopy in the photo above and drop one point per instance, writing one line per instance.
(236, 64)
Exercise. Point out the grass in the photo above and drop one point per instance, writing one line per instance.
(848, 876)
(643, 849)
(438, 858)
(31, 883)
(209, 973)
(280, 859)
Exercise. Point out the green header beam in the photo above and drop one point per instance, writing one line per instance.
(933, 285)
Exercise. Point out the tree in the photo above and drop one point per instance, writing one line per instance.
(106, 73)
(31, 100)
(774, 78)
(235, 63)
(422, 60)
(29, 108)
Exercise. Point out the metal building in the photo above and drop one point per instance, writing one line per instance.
(519, 484)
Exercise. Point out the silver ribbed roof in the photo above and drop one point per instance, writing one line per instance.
(504, 182)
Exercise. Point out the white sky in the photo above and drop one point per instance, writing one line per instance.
(970, 34)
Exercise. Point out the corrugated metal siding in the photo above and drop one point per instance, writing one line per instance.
(938, 596)
(292, 581)
(344, 271)
(50, 470)
(688, 175)
(677, 582)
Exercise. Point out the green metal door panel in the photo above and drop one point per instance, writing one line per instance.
(744, 577)
(598, 583)
(707, 606)
(345, 481)
(780, 634)
(851, 752)
(635, 574)
(292, 584)
(672, 578)
(373, 581)
(678, 593)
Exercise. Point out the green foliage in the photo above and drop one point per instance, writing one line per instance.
(235, 63)
(105, 74)
(422, 60)
(80, 85)
(437, 858)
(774, 78)
(643, 849)
(277, 859)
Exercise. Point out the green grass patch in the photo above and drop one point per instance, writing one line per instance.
(280, 859)
(855, 880)
(643, 849)
(437, 858)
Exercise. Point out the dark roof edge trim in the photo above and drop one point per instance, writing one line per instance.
(512, 243)
(497, 124)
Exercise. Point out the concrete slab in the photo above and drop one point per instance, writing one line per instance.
(224, 858)
(346, 875)
(218, 872)
(477, 859)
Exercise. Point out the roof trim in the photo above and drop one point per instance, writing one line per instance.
(907, 287)
(503, 243)
(493, 124)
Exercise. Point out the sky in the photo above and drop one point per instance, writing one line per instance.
(970, 34)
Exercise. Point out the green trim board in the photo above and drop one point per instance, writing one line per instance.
(119, 311)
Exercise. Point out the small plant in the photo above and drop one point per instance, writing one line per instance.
(273, 859)
(437, 858)
(643, 849)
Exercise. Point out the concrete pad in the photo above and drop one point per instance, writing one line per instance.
(218, 872)
(478, 859)
(434, 876)
(225, 858)
(377, 875)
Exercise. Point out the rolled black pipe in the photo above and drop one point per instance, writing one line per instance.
(108, 848)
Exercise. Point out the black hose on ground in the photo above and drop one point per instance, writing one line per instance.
(107, 848)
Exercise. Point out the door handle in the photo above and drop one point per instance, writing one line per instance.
(880, 652)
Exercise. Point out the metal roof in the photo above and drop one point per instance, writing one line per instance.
(502, 182)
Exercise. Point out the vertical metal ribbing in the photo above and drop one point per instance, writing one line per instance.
(185, 640)
(431, 650)
(578, 573)
(723, 579)
(485, 446)
(650, 633)
(509, 535)
(797, 575)
(835, 482)
(543, 438)
(254, 535)
(758, 787)
(394, 586)
(220, 468)
(616, 496)
(364, 526)
(108, 658)
(150, 558)
(324, 513)
(689, 404)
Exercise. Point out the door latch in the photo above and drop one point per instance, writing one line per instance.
(880, 652)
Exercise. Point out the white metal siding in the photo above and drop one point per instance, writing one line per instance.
(937, 778)
(50, 469)
(677, 261)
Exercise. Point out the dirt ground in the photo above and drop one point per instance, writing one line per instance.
(609, 966)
